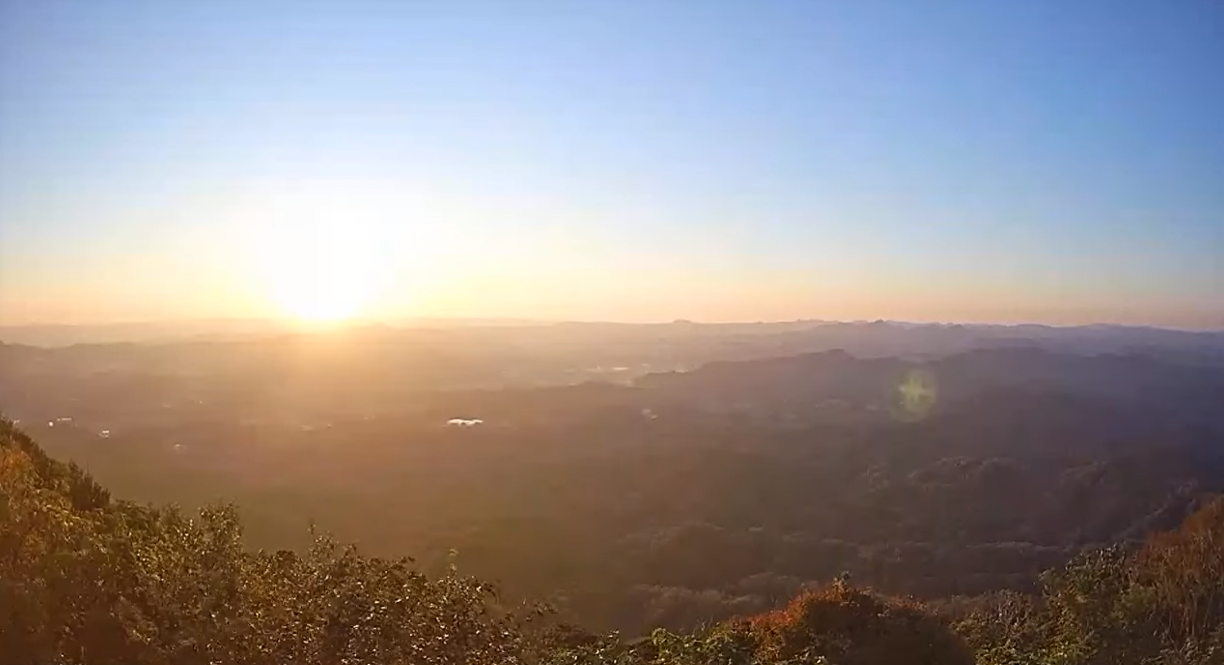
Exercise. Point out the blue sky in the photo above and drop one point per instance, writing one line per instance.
(1057, 161)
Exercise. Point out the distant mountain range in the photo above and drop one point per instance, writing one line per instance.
(755, 339)
(800, 384)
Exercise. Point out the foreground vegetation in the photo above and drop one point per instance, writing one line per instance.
(90, 580)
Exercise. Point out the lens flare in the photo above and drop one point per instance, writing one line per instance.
(917, 395)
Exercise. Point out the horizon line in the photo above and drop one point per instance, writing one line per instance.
(506, 321)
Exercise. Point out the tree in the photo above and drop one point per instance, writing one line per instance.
(1162, 604)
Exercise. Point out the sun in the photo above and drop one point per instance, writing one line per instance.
(322, 297)
(318, 272)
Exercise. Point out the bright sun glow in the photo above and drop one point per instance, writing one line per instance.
(318, 272)
(331, 250)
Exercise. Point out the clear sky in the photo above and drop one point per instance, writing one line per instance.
(1058, 161)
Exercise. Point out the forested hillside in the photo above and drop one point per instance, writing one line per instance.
(689, 497)
(88, 579)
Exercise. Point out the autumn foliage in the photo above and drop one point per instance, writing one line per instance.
(852, 626)
(1162, 604)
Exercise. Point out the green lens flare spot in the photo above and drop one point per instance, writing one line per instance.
(917, 394)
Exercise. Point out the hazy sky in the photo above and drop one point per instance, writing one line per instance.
(1055, 161)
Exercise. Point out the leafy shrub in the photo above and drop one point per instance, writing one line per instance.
(1163, 604)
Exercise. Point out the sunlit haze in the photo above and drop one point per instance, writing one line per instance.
(647, 332)
(1057, 162)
